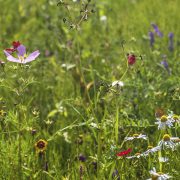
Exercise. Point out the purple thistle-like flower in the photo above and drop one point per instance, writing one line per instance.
(156, 29)
(115, 174)
(22, 57)
(165, 64)
(82, 158)
(151, 37)
(171, 44)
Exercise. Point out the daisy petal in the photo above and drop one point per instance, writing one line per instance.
(32, 56)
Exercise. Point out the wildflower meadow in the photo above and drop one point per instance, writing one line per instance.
(89, 90)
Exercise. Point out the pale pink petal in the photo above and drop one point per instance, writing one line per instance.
(11, 58)
(32, 56)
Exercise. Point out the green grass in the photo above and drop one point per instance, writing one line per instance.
(72, 106)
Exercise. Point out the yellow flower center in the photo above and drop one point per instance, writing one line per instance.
(137, 154)
(2, 113)
(135, 135)
(175, 117)
(21, 58)
(166, 137)
(149, 147)
(163, 118)
(154, 177)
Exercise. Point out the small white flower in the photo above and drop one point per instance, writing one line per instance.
(136, 136)
(117, 84)
(167, 141)
(94, 125)
(158, 175)
(163, 159)
(163, 122)
(103, 18)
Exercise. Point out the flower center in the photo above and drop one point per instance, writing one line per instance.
(137, 154)
(21, 58)
(135, 135)
(175, 117)
(41, 144)
(150, 147)
(166, 137)
(2, 113)
(154, 177)
(163, 118)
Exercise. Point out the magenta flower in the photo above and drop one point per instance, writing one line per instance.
(22, 56)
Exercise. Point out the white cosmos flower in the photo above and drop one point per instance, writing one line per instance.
(167, 141)
(136, 136)
(164, 122)
(158, 175)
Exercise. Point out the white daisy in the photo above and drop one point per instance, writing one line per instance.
(158, 175)
(163, 122)
(136, 136)
(167, 141)
(152, 149)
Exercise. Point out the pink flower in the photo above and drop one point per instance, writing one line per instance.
(123, 153)
(22, 56)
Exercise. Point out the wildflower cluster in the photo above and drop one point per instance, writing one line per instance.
(156, 32)
(167, 142)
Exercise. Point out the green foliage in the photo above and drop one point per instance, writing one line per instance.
(65, 96)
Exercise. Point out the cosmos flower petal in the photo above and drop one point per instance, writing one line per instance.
(21, 50)
(11, 58)
(32, 56)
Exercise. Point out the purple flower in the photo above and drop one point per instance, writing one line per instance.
(171, 44)
(156, 29)
(165, 64)
(115, 174)
(151, 37)
(22, 56)
(82, 158)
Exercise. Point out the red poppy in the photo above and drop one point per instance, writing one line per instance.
(131, 59)
(123, 153)
(16, 44)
